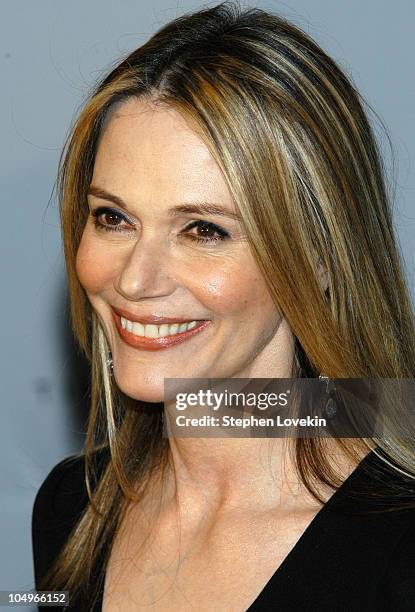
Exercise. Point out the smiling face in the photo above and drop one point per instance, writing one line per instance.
(144, 254)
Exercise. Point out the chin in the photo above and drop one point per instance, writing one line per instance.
(150, 391)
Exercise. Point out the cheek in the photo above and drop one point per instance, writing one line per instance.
(95, 265)
(234, 288)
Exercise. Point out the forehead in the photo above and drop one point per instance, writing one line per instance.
(153, 147)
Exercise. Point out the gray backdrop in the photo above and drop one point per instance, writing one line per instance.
(51, 52)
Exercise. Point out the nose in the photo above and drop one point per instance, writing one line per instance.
(146, 271)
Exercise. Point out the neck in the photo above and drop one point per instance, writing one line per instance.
(209, 477)
(229, 473)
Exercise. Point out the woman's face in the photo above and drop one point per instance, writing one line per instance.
(155, 254)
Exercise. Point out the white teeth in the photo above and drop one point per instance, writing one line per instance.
(163, 330)
(173, 329)
(138, 329)
(151, 331)
(156, 331)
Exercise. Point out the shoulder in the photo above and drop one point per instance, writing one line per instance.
(59, 504)
(63, 481)
(390, 527)
(398, 590)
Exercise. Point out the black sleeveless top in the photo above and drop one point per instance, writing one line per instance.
(352, 557)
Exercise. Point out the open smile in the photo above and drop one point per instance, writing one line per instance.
(152, 337)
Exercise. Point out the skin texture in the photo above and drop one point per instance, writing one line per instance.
(151, 159)
(228, 503)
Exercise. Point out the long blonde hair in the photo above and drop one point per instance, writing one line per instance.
(289, 132)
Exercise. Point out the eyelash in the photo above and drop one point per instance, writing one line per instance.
(102, 210)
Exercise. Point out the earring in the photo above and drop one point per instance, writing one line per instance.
(330, 406)
(110, 364)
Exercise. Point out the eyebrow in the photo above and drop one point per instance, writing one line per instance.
(202, 208)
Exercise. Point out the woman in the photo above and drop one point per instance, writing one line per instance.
(224, 215)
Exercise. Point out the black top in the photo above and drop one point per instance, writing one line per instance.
(349, 558)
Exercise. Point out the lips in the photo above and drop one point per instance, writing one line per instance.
(149, 318)
(154, 344)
